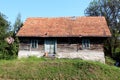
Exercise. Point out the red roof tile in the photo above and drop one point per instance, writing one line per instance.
(64, 27)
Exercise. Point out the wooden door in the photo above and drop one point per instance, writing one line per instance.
(50, 46)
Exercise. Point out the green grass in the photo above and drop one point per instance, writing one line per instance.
(109, 61)
(56, 69)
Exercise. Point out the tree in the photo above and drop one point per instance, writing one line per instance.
(4, 26)
(9, 43)
(110, 9)
(18, 23)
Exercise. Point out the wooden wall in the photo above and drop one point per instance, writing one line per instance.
(64, 44)
(75, 44)
(25, 44)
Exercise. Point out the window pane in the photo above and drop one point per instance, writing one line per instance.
(34, 43)
(85, 43)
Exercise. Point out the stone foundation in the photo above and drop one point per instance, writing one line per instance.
(24, 54)
(85, 55)
(82, 54)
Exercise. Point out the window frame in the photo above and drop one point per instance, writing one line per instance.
(34, 43)
(85, 43)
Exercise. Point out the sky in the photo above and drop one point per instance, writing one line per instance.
(42, 8)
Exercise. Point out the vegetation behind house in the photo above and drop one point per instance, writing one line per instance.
(110, 9)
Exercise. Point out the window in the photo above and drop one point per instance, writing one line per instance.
(34, 43)
(85, 43)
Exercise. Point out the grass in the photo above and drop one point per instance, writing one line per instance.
(109, 61)
(56, 69)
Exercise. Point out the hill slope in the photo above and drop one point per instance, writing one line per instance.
(57, 69)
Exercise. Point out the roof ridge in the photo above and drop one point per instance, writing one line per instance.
(65, 17)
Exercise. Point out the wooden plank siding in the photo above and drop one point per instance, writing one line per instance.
(64, 44)
(25, 44)
(73, 44)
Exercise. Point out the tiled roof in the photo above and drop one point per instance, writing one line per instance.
(65, 27)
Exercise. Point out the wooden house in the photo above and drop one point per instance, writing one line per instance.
(64, 37)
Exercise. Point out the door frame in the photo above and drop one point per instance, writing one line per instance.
(55, 44)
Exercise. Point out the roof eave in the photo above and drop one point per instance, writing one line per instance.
(68, 36)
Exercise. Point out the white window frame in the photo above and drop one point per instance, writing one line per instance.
(34, 43)
(85, 43)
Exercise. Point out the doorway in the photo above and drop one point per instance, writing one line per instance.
(50, 46)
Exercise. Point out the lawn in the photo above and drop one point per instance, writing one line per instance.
(57, 69)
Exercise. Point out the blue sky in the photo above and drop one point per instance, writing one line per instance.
(42, 8)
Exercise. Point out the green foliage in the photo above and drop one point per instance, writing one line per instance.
(109, 61)
(4, 25)
(57, 69)
(18, 23)
(13, 48)
(110, 9)
(7, 51)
